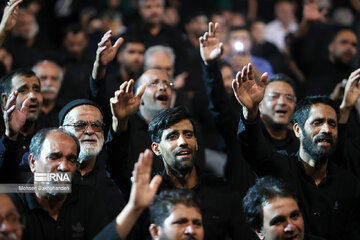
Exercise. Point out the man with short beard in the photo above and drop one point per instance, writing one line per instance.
(174, 140)
(84, 118)
(21, 104)
(328, 194)
(59, 214)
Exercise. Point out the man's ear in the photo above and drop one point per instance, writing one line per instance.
(260, 234)
(156, 148)
(154, 231)
(3, 100)
(32, 163)
(331, 47)
(297, 130)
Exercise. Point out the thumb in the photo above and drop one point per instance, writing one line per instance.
(140, 91)
(118, 42)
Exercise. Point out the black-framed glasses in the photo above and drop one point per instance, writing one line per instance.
(81, 126)
(158, 84)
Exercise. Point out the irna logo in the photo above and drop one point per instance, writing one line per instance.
(52, 177)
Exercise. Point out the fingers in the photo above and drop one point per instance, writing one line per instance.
(11, 101)
(216, 30)
(130, 86)
(237, 81)
(140, 91)
(14, 5)
(263, 79)
(155, 183)
(206, 36)
(106, 37)
(251, 74)
(211, 29)
(25, 105)
(118, 42)
(244, 74)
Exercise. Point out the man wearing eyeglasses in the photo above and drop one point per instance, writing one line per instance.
(84, 118)
(10, 224)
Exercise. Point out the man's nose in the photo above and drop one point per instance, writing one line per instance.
(64, 165)
(182, 141)
(190, 230)
(290, 227)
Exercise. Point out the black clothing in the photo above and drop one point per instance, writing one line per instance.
(114, 199)
(76, 80)
(82, 216)
(330, 209)
(168, 36)
(270, 52)
(102, 90)
(220, 207)
(312, 57)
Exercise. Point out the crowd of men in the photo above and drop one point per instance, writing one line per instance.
(220, 125)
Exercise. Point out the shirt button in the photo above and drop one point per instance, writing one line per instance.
(24, 147)
(315, 213)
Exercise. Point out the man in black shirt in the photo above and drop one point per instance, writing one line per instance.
(329, 195)
(51, 214)
(174, 140)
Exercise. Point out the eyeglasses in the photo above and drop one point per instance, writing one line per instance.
(81, 126)
(289, 97)
(158, 84)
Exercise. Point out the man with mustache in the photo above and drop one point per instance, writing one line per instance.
(329, 195)
(66, 213)
(51, 76)
(323, 52)
(272, 210)
(174, 140)
(84, 118)
(21, 104)
(10, 220)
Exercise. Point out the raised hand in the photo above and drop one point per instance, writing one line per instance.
(210, 46)
(248, 91)
(104, 55)
(142, 190)
(311, 11)
(9, 17)
(352, 90)
(106, 52)
(125, 104)
(14, 118)
(11, 11)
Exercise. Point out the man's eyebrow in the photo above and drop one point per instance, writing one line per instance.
(170, 133)
(276, 220)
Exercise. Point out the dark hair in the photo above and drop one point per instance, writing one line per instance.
(239, 28)
(74, 28)
(282, 77)
(223, 63)
(265, 189)
(164, 203)
(39, 138)
(6, 81)
(131, 38)
(302, 109)
(166, 118)
(336, 33)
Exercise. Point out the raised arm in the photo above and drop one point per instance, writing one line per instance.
(248, 91)
(14, 118)
(142, 193)
(8, 20)
(105, 53)
(210, 46)
(124, 104)
(351, 95)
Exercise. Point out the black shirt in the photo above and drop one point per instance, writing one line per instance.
(330, 209)
(82, 216)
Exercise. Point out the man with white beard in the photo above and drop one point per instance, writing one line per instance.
(84, 118)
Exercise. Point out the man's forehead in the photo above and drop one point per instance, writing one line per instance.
(153, 75)
(280, 87)
(180, 210)
(55, 140)
(83, 112)
(183, 125)
(6, 204)
(321, 110)
(280, 205)
(20, 80)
